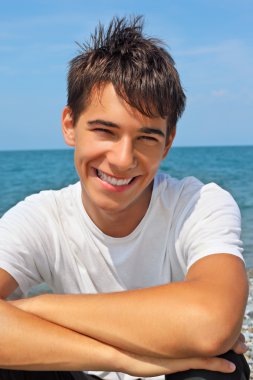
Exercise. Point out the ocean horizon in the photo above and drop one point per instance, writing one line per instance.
(24, 172)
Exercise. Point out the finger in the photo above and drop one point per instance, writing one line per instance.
(242, 337)
(240, 348)
(214, 364)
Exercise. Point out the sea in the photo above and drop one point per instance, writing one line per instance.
(27, 172)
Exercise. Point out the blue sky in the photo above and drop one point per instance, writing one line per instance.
(210, 40)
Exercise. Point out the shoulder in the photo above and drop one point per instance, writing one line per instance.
(189, 193)
(43, 205)
(209, 224)
(165, 183)
(176, 192)
(212, 200)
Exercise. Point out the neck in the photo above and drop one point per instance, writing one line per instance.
(119, 223)
(117, 226)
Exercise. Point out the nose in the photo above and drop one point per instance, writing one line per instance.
(122, 155)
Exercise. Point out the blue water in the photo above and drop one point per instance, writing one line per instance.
(27, 172)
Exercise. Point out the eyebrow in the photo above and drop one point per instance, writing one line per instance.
(152, 131)
(147, 130)
(103, 122)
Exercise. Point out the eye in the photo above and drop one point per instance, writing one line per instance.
(103, 131)
(148, 139)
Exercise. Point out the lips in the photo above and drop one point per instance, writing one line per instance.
(113, 180)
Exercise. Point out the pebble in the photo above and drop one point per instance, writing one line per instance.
(247, 327)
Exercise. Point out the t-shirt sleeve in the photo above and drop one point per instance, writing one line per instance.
(24, 242)
(210, 224)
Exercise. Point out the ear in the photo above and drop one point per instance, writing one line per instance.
(169, 142)
(68, 128)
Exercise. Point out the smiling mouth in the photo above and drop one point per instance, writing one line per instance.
(112, 180)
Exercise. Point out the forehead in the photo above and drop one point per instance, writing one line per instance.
(105, 101)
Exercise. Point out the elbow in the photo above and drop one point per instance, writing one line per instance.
(215, 345)
(218, 335)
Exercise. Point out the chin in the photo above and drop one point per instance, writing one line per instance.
(110, 206)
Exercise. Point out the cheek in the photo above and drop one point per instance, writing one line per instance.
(88, 152)
(152, 160)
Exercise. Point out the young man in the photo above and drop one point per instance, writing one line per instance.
(147, 269)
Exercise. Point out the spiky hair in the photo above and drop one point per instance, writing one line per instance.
(142, 72)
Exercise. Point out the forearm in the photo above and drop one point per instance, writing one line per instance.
(28, 342)
(139, 321)
(198, 317)
(132, 321)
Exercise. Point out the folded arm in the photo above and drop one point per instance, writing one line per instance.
(31, 343)
(199, 317)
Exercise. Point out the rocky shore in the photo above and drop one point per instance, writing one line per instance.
(248, 324)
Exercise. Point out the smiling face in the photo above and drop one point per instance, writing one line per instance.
(117, 153)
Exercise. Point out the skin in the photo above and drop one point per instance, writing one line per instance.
(210, 333)
(111, 137)
(121, 142)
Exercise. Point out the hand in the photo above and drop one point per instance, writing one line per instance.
(146, 366)
(239, 346)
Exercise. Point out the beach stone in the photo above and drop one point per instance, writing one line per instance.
(247, 327)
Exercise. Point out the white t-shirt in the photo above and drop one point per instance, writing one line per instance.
(50, 238)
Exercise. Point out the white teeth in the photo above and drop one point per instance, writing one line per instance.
(112, 180)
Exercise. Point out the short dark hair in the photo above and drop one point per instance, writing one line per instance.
(142, 72)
